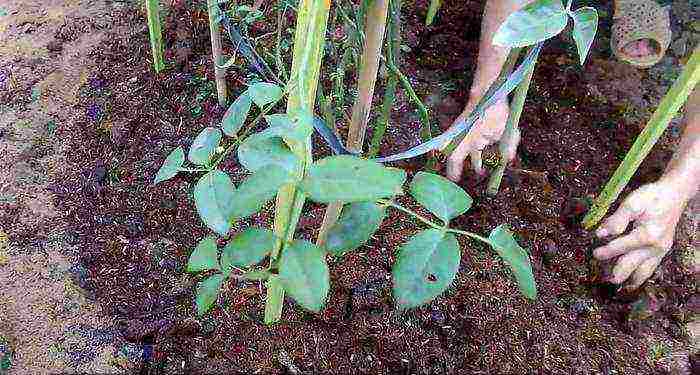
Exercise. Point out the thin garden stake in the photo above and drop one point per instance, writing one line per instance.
(217, 55)
(309, 39)
(375, 25)
(156, 36)
(659, 121)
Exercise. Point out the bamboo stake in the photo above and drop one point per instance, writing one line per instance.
(669, 106)
(217, 55)
(375, 25)
(155, 34)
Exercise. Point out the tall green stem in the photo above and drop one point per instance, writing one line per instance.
(511, 134)
(155, 33)
(217, 55)
(309, 39)
(659, 121)
(393, 48)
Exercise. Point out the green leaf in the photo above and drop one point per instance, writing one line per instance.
(247, 248)
(425, 267)
(258, 189)
(537, 21)
(264, 93)
(516, 257)
(260, 151)
(274, 301)
(170, 166)
(204, 257)
(297, 127)
(204, 145)
(304, 274)
(207, 291)
(213, 197)
(356, 225)
(440, 196)
(585, 28)
(348, 178)
(235, 116)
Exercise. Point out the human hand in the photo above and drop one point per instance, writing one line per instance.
(655, 210)
(487, 130)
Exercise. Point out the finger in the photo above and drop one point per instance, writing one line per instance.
(635, 239)
(455, 163)
(477, 163)
(628, 263)
(509, 145)
(644, 272)
(616, 223)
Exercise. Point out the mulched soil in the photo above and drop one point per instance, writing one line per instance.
(136, 238)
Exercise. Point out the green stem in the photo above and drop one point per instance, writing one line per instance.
(309, 39)
(281, 71)
(471, 235)
(156, 36)
(393, 48)
(429, 222)
(667, 109)
(195, 170)
(511, 132)
(422, 110)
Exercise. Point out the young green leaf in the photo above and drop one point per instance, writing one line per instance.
(585, 28)
(247, 248)
(204, 257)
(345, 178)
(535, 22)
(440, 196)
(204, 145)
(170, 166)
(297, 127)
(425, 267)
(264, 93)
(304, 274)
(274, 301)
(260, 151)
(235, 116)
(258, 189)
(213, 197)
(516, 257)
(207, 291)
(356, 225)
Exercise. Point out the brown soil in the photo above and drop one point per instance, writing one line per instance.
(134, 238)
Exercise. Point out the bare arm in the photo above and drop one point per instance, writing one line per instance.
(655, 210)
(685, 165)
(490, 61)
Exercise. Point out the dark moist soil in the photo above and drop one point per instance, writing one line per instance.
(136, 237)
